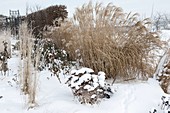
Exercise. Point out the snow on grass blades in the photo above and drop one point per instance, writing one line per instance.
(89, 87)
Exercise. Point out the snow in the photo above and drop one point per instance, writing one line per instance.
(101, 75)
(93, 96)
(89, 88)
(82, 70)
(85, 78)
(55, 97)
(85, 75)
(137, 97)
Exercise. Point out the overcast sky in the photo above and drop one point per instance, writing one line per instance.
(144, 7)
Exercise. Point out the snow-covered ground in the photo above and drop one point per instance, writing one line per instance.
(53, 97)
(56, 97)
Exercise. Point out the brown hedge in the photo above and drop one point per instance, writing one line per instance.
(39, 19)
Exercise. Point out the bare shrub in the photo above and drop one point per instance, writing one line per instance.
(164, 78)
(107, 39)
(52, 58)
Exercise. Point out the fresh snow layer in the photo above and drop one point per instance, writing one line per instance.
(78, 77)
(82, 70)
(53, 97)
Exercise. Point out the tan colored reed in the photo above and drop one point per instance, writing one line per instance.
(109, 40)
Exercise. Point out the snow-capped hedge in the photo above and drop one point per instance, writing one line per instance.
(89, 87)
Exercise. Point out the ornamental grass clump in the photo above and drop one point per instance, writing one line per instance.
(28, 72)
(107, 39)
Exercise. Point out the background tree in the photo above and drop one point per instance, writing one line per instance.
(161, 21)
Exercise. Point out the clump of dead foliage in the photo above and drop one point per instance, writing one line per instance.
(164, 78)
(107, 39)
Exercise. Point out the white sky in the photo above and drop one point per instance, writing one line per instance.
(144, 7)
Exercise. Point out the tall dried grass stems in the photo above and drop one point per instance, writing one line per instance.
(28, 74)
(108, 40)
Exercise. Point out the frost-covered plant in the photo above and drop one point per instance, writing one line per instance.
(5, 42)
(4, 55)
(89, 87)
(53, 58)
(164, 105)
